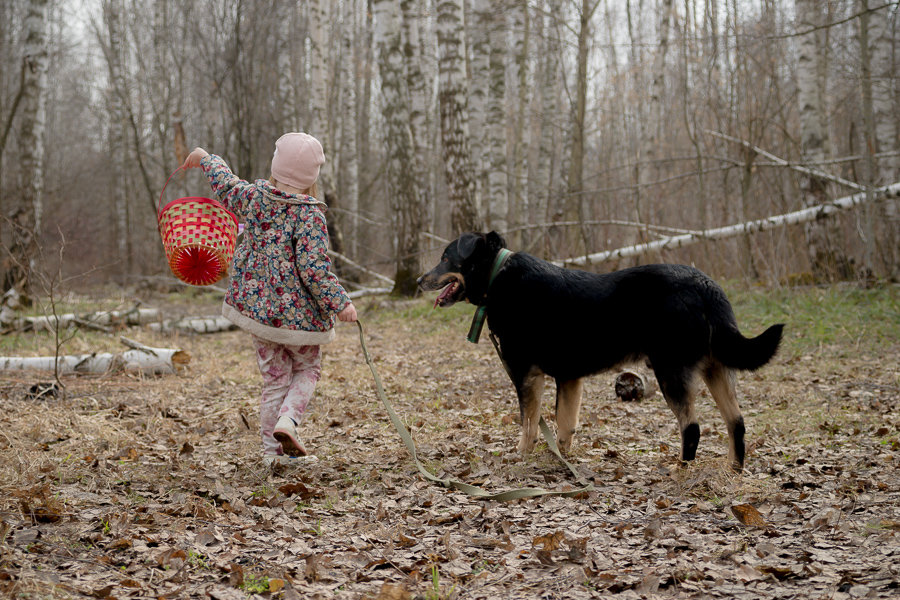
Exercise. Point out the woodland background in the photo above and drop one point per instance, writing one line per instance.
(571, 126)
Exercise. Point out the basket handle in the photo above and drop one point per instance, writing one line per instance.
(163, 191)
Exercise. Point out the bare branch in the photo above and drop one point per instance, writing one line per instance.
(784, 163)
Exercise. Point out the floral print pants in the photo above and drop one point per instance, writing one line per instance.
(290, 374)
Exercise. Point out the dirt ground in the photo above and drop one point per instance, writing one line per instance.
(140, 487)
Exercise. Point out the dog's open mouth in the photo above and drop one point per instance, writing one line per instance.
(451, 293)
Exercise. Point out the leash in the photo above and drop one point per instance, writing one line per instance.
(472, 490)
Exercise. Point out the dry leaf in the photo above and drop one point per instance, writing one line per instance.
(390, 591)
(550, 542)
(748, 515)
(748, 573)
(311, 572)
(235, 575)
(172, 559)
(305, 493)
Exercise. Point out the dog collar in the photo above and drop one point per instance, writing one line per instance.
(481, 311)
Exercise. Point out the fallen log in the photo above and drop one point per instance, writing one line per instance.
(694, 237)
(368, 292)
(635, 385)
(142, 359)
(102, 320)
(208, 324)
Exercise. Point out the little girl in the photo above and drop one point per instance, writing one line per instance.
(282, 289)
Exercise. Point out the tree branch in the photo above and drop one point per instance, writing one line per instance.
(801, 216)
(15, 106)
(780, 161)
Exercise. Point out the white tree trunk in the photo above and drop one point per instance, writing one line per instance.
(636, 125)
(287, 28)
(546, 133)
(349, 155)
(497, 189)
(478, 32)
(519, 25)
(454, 127)
(318, 91)
(826, 258)
(405, 198)
(420, 99)
(116, 97)
(884, 104)
(31, 140)
(658, 86)
(575, 200)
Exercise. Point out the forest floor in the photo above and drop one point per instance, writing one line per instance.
(153, 487)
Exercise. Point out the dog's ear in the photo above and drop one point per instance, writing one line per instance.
(495, 241)
(466, 244)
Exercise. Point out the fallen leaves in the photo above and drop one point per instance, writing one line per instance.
(134, 482)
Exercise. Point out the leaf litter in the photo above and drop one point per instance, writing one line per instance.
(128, 487)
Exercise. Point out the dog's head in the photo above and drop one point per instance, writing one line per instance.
(464, 269)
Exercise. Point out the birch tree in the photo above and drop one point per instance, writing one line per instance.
(478, 32)
(287, 27)
(546, 107)
(12, 77)
(416, 69)
(454, 131)
(349, 162)
(405, 198)
(164, 89)
(883, 84)
(26, 217)
(635, 129)
(318, 91)
(658, 86)
(495, 149)
(519, 23)
(118, 148)
(826, 258)
(574, 204)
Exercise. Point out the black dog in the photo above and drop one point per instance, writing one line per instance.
(568, 324)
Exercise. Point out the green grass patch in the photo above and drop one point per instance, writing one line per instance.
(822, 318)
(419, 314)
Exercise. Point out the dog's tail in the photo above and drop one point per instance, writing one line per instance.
(734, 350)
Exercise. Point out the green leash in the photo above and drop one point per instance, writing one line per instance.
(472, 490)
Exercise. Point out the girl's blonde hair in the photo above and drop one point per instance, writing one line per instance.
(312, 190)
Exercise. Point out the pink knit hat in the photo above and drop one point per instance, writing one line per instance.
(297, 159)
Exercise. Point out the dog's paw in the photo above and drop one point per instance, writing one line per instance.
(526, 445)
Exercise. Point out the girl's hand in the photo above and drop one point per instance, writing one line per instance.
(348, 315)
(193, 159)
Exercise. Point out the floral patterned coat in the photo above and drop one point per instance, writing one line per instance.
(282, 288)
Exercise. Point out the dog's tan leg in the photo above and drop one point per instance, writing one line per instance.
(678, 388)
(720, 381)
(530, 393)
(568, 405)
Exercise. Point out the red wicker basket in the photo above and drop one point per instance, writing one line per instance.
(199, 236)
